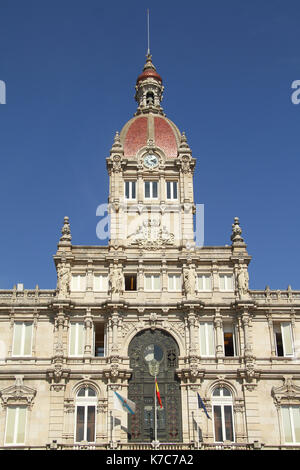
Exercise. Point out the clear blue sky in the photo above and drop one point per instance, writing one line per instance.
(70, 68)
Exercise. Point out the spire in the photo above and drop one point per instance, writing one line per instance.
(148, 31)
(65, 239)
(236, 237)
(149, 88)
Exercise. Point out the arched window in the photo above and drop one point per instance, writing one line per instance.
(86, 402)
(222, 405)
(150, 98)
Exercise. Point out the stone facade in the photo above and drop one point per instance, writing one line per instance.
(150, 277)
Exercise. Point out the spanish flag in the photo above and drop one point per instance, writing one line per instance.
(158, 394)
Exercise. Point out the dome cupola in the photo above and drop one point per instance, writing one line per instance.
(149, 89)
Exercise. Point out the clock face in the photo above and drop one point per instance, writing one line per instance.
(150, 160)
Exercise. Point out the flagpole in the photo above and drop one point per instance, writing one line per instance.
(155, 412)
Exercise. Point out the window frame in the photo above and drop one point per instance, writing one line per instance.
(291, 424)
(172, 183)
(103, 277)
(276, 326)
(204, 276)
(85, 402)
(206, 335)
(130, 183)
(174, 276)
(15, 425)
(223, 401)
(76, 339)
(152, 276)
(23, 336)
(151, 182)
(226, 276)
(80, 276)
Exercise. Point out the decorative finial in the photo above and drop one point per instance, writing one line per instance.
(117, 140)
(236, 232)
(66, 237)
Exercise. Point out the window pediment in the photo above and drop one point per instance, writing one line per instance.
(17, 394)
(288, 393)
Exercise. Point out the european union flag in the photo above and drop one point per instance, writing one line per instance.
(201, 405)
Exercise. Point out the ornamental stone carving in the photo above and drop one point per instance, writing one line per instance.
(17, 394)
(150, 235)
(288, 393)
(66, 237)
(236, 237)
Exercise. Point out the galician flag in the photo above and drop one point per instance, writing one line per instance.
(158, 394)
(123, 404)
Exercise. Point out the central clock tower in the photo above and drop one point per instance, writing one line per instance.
(151, 197)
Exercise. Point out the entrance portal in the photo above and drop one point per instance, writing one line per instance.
(154, 353)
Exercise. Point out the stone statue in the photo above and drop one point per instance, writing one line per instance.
(63, 280)
(189, 280)
(116, 281)
(243, 281)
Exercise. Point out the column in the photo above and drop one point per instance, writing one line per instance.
(164, 274)
(192, 320)
(88, 324)
(271, 334)
(218, 323)
(115, 322)
(246, 321)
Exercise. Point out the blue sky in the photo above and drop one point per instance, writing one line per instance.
(70, 68)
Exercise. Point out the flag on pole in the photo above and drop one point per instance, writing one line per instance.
(123, 404)
(158, 394)
(201, 405)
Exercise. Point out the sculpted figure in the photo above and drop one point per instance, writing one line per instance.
(189, 280)
(116, 281)
(63, 280)
(243, 281)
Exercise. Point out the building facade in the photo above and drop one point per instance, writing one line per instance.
(152, 303)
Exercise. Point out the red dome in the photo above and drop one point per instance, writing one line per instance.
(149, 73)
(163, 132)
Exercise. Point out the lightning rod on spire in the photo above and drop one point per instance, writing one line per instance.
(148, 32)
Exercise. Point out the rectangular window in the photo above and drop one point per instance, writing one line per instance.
(99, 339)
(78, 282)
(130, 189)
(223, 423)
(207, 339)
(85, 423)
(171, 190)
(204, 282)
(152, 282)
(76, 339)
(151, 191)
(22, 339)
(15, 425)
(283, 339)
(174, 282)
(229, 340)
(100, 283)
(226, 282)
(130, 282)
(291, 424)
